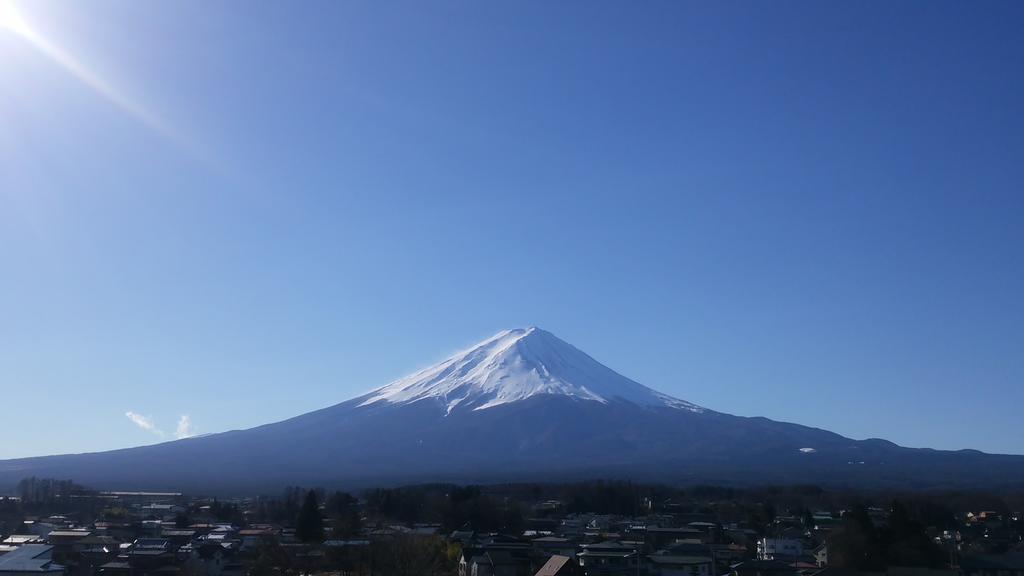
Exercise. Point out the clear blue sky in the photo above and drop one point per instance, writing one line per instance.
(242, 211)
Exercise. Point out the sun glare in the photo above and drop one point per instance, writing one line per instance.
(10, 19)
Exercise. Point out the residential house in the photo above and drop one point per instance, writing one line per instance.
(96, 550)
(151, 555)
(710, 530)
(763, 568)
(659, 536)
(253, 537)
(67, 544)
(554, 546)
(16, 540)
(609, 558)
(492, 563)
(208, 559)
(820, 553)
(30, 560)
(672, 565)
(559, 565)
(779, 549)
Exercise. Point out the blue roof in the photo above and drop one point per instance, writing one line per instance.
(29, 558)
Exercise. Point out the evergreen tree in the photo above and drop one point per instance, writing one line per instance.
(309, 526)
(855, 543)
(808, 519)
(341, 508)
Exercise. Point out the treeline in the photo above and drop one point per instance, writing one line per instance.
(494, 506)
(47, 490)
(315, 513)
(452, 507)
(508, 507)
(226, 512)
(47, 496)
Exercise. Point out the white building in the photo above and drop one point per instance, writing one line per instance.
(779, 549)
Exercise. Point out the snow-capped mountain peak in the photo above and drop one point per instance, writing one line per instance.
(514, 365)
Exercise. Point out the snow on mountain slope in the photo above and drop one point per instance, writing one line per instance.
(514, 365)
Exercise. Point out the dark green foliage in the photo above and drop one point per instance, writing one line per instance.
(855, 544)
(450, 506)
(270, 560)
(182, 520)
(47, 490)
(412, 556)
(906, 542)
(226, 512)
(309, 525)
(343, 510)
(602, 497)
(807, 518)
(858, 544)
(760, 517)
(281, 510)
(44, 496)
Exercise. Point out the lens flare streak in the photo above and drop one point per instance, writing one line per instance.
(12, 21)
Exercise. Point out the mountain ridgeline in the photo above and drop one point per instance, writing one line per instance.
(522, 405)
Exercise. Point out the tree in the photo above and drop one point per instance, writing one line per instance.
(907, 543)
(808, 519)
(341, 508)
(854, 544)
(270, 560)
(182, 520)
(309, 526)
(406, 555)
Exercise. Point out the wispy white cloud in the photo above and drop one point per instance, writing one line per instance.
(144, 422)
(184, 428)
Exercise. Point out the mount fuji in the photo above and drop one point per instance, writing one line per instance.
(522, 405)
